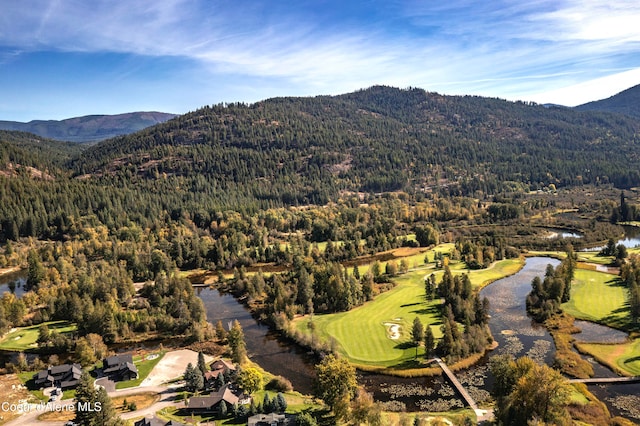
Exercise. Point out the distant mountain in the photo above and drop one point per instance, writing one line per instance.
(90, 128)
(626, 102)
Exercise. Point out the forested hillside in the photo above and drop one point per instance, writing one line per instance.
(626, 102)
(19, 149)
(301, 151)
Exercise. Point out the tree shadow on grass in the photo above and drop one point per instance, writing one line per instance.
(428, 310)
(404, 345)
(410, 364)
(634, 359)
(616, 282)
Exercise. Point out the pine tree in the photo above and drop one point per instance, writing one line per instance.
(417, 333)
(223, 410)
(282, 402)
(107, 414)
(36, 271)
(429, 342)
(202, 366)
(85, 398)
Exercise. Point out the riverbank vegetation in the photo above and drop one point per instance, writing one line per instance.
(622, 358)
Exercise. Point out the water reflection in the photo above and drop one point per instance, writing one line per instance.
(596, 333)
(516, 334)
(263, 346)
(13, 283)
(631, 239)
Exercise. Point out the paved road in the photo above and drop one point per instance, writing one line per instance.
(167, 394)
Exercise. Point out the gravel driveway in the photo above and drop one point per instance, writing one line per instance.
(172, 366)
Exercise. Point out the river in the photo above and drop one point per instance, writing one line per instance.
(516, 334)
(263, 346)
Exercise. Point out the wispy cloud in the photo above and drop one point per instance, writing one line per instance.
(507, 48)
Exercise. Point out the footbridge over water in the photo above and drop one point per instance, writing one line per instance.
(481, 414)
(604, 380)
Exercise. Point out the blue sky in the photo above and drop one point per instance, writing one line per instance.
(66, 58)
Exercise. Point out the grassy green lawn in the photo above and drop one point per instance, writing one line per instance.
(24, 338)
(500, 269)
(598, 297)
(594, 257)
(624, 357)
(296, 402)
(365, 334)
(144, 368)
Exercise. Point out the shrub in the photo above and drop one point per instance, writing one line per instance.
(279, 384)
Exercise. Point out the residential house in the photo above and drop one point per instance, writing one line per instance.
(210, 402)
(218, 367)
(272, 419)
(63, 376)
(119, 368)
(156, 422)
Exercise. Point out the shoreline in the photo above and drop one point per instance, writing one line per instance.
(10, 270)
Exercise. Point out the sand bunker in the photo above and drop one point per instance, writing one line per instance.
(393, 330)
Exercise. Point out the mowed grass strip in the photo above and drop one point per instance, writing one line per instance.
(598, 297)
(624, 357)
(25, 338)
(363, 333)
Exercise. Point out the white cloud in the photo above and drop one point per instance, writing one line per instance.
(592, 20)
(599, 88)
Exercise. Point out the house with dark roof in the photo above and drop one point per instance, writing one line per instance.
(119, 367)
(63, 376)
(156, 422)
(210, 403)
(272, 419)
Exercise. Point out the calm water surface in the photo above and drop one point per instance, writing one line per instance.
(14, 283)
